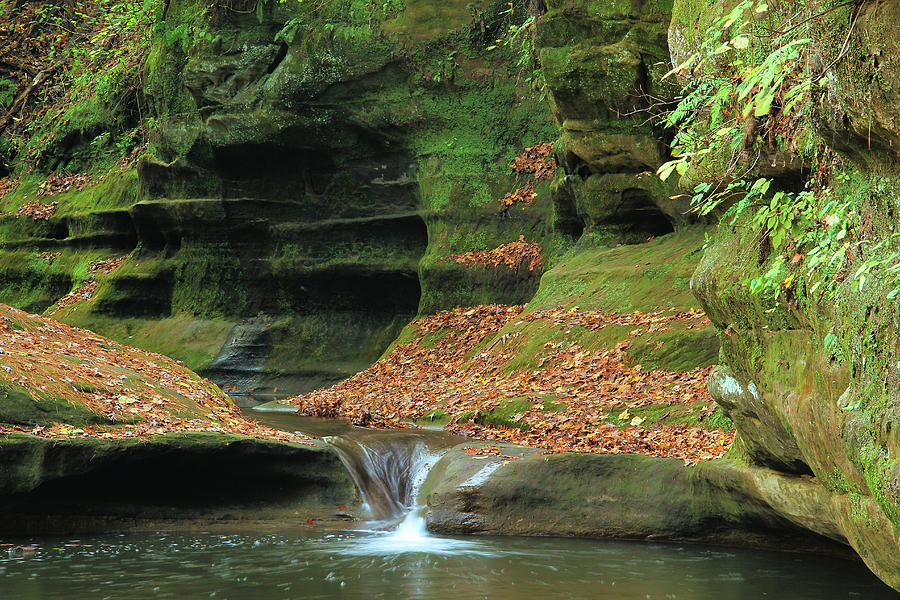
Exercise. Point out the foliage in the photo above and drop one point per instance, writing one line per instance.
(7, 92)
(519, 39)
(749, 85)
(79, 67)
(741, 73)
(343, 21)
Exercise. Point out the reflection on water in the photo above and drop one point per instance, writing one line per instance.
(364, 565)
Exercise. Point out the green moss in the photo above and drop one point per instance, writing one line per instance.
(17, 407)
(209, 281)
(195, 342)
(719, 420)
(669, 414)
(548, 403)
(858, 510)
(466, 416)
(117, 189)
(641, 277)
(881, 476)
(836, 481)
(646, 277)
(466, 157)
(434, 418)
(738, 452)
(505, 415)
(691, 19)
(339, 343)
(427, 20)
(407, 335)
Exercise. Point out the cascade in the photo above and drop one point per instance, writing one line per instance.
(388, 469)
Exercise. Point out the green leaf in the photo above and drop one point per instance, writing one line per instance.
(666, 170)
(764, 105)
(683, 65)
(741, 42)
(777, 238)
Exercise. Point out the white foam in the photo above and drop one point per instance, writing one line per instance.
(482, 475)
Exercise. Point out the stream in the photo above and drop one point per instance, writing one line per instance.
(392, 556)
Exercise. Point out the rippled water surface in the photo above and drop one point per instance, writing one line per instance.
(365, 565)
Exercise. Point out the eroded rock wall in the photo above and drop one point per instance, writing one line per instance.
(308, 170)
(604, 63)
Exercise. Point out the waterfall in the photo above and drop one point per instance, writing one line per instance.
(388, 469)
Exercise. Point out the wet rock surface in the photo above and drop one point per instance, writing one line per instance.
(524, 492)
(174, 481)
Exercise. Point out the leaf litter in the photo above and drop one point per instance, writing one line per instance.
(460, 377)
(533, 161)
(140, 393)
(510, 255)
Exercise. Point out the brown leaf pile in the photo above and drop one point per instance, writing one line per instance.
(535, 162)
(36, 210)
(57, 183)
(482, 450)
(49, 256)
(532, 161)
(511, 255)
(84, 292)
(7, 185)
(525, 195)
(596, 320)
(454, 377)
(107, 266)
(149, 394)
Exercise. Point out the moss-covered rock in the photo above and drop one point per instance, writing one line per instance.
(179, 480)
(810, 369)
(627, 496)
(858, 105)
(300, 161)
(97, 435)
(796, 407)
(603, 63)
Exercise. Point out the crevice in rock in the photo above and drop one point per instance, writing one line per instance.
(282, 53)
(567, 221)
(112, 229)
(637, 215)
(574, 165)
